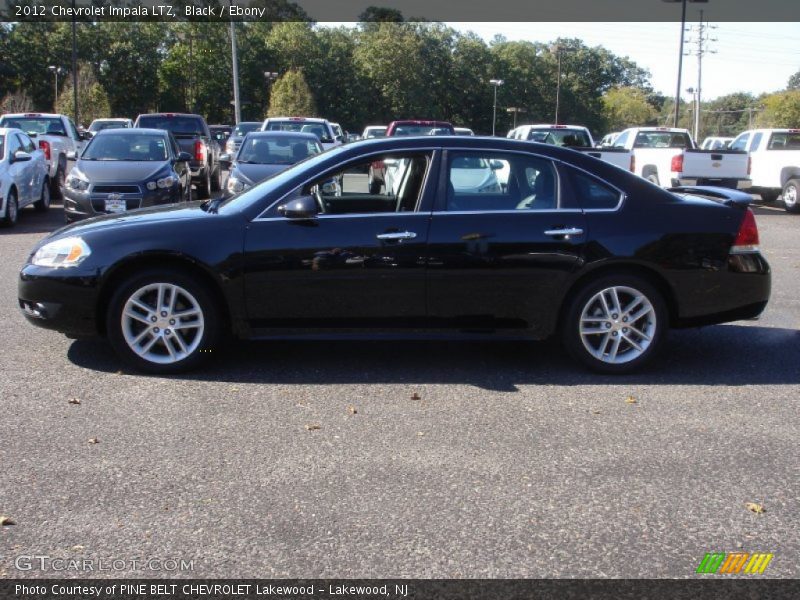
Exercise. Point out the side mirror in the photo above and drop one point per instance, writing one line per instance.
(184, 157)
(304, 207)
(86, 135)
(225, 160)
(21, 156)
(495, 164)
(72, 155)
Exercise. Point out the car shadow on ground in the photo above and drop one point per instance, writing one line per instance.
(718, 355)
(33, 221)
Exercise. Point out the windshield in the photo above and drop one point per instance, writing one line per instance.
(317, 129)
(560, 137)
(35, 125)
(662, 139)
(177, 124)
(242, 128)
(421, 130)
(373, 132)
(101, 125)
(274, 184)
(114, 146)
(277, 150)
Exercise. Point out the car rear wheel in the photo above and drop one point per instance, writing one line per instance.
(791, 191)
(43, 203)
(215, 181)
(615, 324)
(769, 195)
(59, 180)
(12, 209)
(204, 188)
(163, 321)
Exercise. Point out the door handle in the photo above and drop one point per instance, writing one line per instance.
(567, 231)
(397, 235)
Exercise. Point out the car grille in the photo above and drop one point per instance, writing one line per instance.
(116, 189)
(132, 194)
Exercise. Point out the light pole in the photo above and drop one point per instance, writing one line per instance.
(270, 76)
(56, 72)
(696, 101)
(237, 106)
(496, 83)
(515, 111)
(680, 56)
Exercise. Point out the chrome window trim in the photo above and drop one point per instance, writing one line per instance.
(364, 157)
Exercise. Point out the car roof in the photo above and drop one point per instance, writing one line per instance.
(309, 119)
(111, 119)
(290, 134)
(131, 131)
(28, 115)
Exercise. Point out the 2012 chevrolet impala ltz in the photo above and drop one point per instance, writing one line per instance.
(476, 237)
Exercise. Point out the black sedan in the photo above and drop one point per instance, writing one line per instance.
(124, 169)
(264, 153)
(554, 243)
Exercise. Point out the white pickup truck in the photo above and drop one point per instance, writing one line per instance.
(56, 135)
(576, 137)
(774, 164)
(669, 157)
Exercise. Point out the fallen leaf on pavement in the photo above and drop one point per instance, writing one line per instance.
(94, 441)
(6, 521)
(754, 507)
(596, 412)
(631, 400)
(313, 426)
(78, 547)
(415, 396)
(74, 401)
(352, 409)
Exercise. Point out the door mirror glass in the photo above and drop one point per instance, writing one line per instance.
(304, 207)
(225, 160)
(21, 156)
(184, 157)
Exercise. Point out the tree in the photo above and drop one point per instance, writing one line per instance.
(291, 96)
(625, 107)
(794, 82)
(781, 109)
(376, 14)
(92, 98)
(16, 102)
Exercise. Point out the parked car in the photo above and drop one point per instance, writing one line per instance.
(264, 153)
(56, 135)
(669, 157)
(101, 124)
(220, 134)
(608, 139)
(558, 135)
(373, 131)
(23, 175)
(194, 137)
(319, 127)
(463, 131)
(572, 247)
(125, 169)
(774, 164)
(716, 143)
(380, 173)
(238, 133)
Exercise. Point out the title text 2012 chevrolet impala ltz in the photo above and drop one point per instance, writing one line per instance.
(477, 237)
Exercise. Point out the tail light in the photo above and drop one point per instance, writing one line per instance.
(199, 151)
(749, 164)
(747, 238)
(633, 164)
(45, 147)
(676, 166)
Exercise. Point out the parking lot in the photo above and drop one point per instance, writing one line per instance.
(387, 459)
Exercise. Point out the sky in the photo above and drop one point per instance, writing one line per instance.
(750, 57)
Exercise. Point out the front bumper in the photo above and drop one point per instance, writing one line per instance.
(728, 182)
(91, 203)
(60, 299)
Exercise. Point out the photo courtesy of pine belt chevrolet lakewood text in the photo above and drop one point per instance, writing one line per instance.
(463, 236)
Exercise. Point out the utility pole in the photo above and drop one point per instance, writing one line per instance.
(702, 31)
(237, 106)
(75, 63)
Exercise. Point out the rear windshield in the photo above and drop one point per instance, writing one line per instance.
(35, 125)
(277, 150)
(100, 125)
(421, 130)
(117, 146)
(662, 139)
(243, 128)
(784, 141)
(560, 137)
(373, 132)
(317, 129)
(178, 124)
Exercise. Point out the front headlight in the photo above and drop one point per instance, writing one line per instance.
(236, 185)
(162, 182)
(77, 181)
(67, 252)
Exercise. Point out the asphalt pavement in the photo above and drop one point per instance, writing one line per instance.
(386, 459)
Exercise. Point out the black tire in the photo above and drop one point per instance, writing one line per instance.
(654, 323)
(58, 182)
(199, 348)
(204, 187)
(215, 181)
(12, 209)
(791, 196)
(43, 203)
(769, 196)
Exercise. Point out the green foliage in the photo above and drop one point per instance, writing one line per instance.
(291, 96)
(92, 99)
(625, 107)
(781, 109)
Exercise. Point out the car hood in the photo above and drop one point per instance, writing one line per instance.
(120, 170)
(257, 173)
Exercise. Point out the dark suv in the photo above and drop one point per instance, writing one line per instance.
(377, 170)
(194, 137)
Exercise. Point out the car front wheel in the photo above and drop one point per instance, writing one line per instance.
(615, 324)
(12, 209)
(163, 321)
